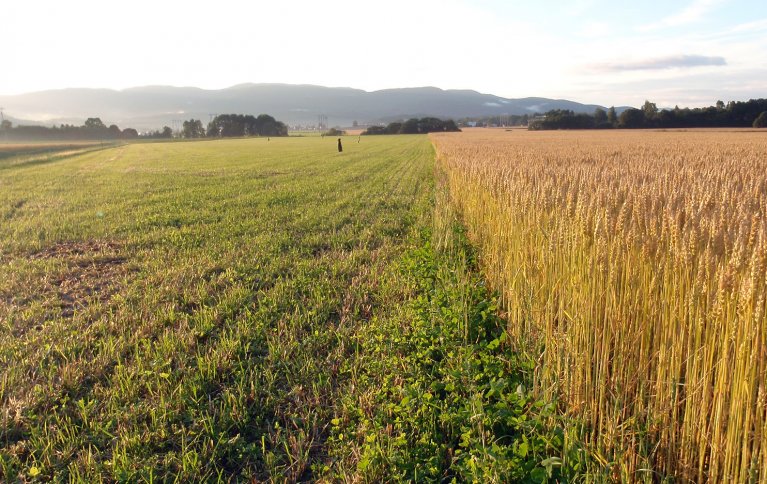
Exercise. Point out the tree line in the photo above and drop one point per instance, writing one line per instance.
(225, 125)
(92, 129)
(233, 125)
(414, 126)
(499, 120)
(735, 114)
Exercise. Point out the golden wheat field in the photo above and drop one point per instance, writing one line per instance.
(633, 264)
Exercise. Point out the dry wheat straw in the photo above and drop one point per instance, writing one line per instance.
(636, 261)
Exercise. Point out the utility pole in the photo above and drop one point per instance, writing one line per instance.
(2, 116)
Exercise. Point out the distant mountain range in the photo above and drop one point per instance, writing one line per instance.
(152, 107)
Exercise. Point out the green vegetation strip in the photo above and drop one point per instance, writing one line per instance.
(243, 309)
(440, 397)
(15, 155)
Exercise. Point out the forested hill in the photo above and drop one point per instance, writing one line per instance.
(155, 106)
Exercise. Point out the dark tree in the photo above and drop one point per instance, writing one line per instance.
(266, 125)
(631, 118)
(600, 118)
(409, 127)
(393, 128)
(213, 131)
(193, 129)
(415, 126)
(563, 119)
(650, 111)
(129, 133)
(450, 125)
(94, 123)
(612, 116)
(761, 120)
(230, 125)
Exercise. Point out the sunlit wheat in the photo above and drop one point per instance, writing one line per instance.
(634, 262)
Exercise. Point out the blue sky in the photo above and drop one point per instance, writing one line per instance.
(687, 53)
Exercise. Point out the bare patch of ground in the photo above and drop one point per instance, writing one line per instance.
(76, 248)
(95, 270)
(86, 273)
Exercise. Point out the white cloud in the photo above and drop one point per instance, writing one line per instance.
(755, 26)
(694, 12)
(670, 62)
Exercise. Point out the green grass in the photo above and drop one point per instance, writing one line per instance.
(26, 153)
(249, 309)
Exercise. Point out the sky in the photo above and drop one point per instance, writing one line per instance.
(686, 52)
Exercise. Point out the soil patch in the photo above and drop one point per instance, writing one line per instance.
(92, 272)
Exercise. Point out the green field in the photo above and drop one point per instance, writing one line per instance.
(28, 153)
(252, 309)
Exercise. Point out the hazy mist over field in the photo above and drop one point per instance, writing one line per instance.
(688, 53)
